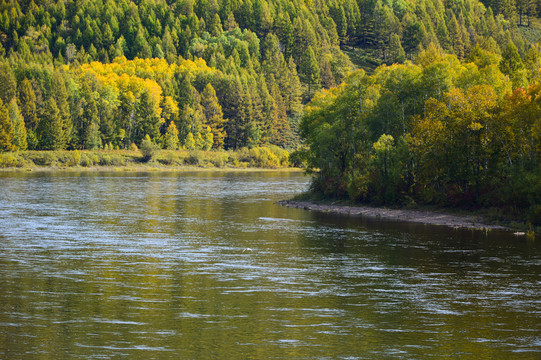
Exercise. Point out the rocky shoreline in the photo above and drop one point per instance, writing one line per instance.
(415, 216)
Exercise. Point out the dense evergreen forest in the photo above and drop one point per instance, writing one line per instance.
(445, 110)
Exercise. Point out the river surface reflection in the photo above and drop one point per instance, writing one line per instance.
(204, 265)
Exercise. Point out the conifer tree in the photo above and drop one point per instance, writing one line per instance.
(92, 139)
(51, 130)
(171, 137)
(310, 70)
(8, 85)
(27, 101)
(233, 112)
(6, 130)
(281, 130)
(511, 65)
(511, 61)
(189, 142)
(19, 129)
(293, 92)
(208, 138)
(286, 33)
(396, 52)
(60, 95)
(148, 122)
(199, 143)
(327, 77)
(214, 115)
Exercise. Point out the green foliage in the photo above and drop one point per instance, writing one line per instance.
(6, 129)
(207, 139)
(250, 63)
(189, 143)
(12, 160)
(440, 132)
(235, 75)
(171, 137)
(19, 129)
(148, 148)
(265, 157)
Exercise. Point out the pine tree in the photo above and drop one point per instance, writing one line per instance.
(214, 115)
(280, 130)
(60, 95)
(286, 33)
(232, 108)
(27, 101)
(189, 143)
(93, 139)
(6, 130)
(199, 143)
(396, 52)
(8, 85)
(511, 65)
(51, 129)
(148, 122)
(327, 77)
(310, 70)
(19, 129)
(511, 61)
(87, 129)
(171, 137)
(208, 138)
(293, 91)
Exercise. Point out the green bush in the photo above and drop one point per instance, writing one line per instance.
(89, 159)
(270, 156)
(219, 159)
(11, 160)
(75, 158)
(148, 149)
(171, 157)
(112, 160)
(298, 158)
(43, 158)
(195, 158)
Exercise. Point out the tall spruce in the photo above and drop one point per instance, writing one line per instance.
(19, 129)
(214, 115)
(6, 129)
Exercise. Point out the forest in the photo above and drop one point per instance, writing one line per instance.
(388, 102)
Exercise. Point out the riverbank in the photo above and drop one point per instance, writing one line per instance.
(259, 158)
(426, 217)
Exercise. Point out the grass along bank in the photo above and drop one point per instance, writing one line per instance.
(271, 157)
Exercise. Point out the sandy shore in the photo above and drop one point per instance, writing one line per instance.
(416, 216)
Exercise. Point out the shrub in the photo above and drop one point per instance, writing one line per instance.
(148, 149)
(9, 160)
(298, 158)
(219, 159)
(112, 160)
(75, 158)
(44, 158)
(170, 158)
(195, 158)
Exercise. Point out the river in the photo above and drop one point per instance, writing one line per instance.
(204, 265)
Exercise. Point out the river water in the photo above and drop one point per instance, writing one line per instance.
(204, 265)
